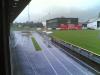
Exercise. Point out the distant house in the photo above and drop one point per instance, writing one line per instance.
(84, 25)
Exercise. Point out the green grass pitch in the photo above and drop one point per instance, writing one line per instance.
(88, 39)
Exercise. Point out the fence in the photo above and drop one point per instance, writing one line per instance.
(92, 56)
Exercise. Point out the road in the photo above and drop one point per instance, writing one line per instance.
(49, 61)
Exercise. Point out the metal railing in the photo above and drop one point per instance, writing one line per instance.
(92, 56)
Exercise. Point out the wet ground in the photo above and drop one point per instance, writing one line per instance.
(49, 61)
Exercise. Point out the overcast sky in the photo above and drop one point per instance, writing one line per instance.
(41, 10)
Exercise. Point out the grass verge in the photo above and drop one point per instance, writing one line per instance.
(36, 45)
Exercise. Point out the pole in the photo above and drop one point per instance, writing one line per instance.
(28, 13)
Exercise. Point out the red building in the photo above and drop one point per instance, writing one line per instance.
(70, 26)
(64, 23)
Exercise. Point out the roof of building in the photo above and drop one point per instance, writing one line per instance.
(62, 18)
(94, 19)
(16, 7)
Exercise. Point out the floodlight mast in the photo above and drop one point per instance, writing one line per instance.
(28, 14)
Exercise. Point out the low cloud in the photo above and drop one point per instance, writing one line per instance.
(41, 11)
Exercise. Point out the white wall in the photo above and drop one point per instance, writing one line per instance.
(92, 25)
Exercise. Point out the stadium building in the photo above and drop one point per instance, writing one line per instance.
(63, 23)
(94, 24)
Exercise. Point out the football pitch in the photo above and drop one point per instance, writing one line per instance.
(88, 39)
